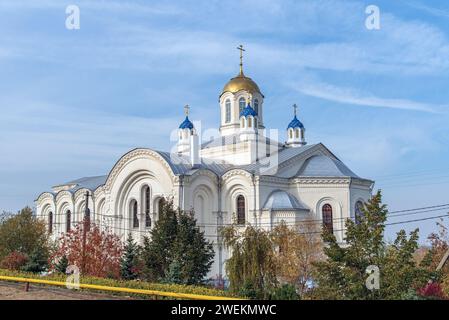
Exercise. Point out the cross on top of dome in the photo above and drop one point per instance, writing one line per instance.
(186, 124)
(295, 123)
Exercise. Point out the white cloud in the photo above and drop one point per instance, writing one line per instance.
(353, 96)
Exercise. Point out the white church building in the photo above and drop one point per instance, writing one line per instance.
(242, 177)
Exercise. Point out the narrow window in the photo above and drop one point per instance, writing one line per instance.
(50, 222)
(241, 104)
(327, 218)
(68, 222)
(297, 134)
(256, 106)
(135, 215)
(240, 209)
(147, 207)
(228, 111)
(250, 122)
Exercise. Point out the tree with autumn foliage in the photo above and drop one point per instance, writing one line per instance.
(251, 269)
(343, 274)
(439, 245)
(297, 248)
(24, 241)
(99, 255)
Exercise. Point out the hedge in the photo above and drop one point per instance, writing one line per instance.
(134, 284)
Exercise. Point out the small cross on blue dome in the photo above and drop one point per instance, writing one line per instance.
(186, 124)
(295, 123)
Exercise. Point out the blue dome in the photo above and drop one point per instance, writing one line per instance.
(295, 123)
(186, 124)
(248, 111)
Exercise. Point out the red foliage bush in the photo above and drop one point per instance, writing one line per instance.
(432, 290)
(102, 251)
(14, 261)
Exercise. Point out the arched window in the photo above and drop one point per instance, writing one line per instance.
(358, 211)
(228, 111)
(255, 123)
(242, 123)
(68, 221)
(250, 122)
(297, 134)
(240, 209)
(241, 104)
(50, 222)
(302, 134)
(327, 218)
(135, 214)
(256, 106)
(147, 197)
(290, 133)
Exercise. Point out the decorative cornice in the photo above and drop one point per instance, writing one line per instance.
(63, 193)
(322, 180)
(45, 196)
(202, 172)
(135, 154)
(236, 172)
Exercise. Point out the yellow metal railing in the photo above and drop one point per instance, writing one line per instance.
(119, 289)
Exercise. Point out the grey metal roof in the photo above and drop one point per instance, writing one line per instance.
(180, 165)
(90, 183)
(322, 166)
(282, 200)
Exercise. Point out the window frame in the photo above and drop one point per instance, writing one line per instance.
(241, 209)
(327, 217)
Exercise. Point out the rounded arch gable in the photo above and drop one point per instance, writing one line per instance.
(131, 160)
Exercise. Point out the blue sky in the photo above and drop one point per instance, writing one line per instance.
(73, 101)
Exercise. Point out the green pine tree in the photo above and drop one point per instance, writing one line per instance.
(343, 274)
(174, 273)
(62, 264)
(178, 245)
(37, 261)
(129, 261)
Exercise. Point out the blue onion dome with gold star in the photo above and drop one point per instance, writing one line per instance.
(295, 123)
(248, 111)
(186, 124)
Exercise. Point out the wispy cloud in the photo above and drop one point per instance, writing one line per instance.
(355, 97)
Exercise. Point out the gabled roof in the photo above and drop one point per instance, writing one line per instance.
(90, 183)
(315, 166)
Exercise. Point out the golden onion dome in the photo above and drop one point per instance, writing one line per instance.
(241, 82)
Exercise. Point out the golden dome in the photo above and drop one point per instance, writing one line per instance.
(241, 82)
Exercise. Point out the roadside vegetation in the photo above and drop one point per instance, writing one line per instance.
(289, 262)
